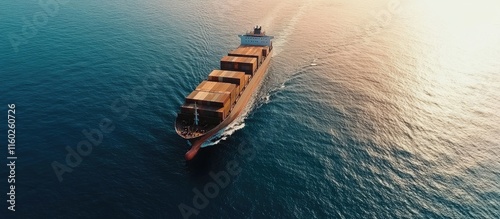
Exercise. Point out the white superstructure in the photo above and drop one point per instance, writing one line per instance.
(256, 38)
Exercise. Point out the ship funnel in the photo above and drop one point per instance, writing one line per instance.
(257, 29)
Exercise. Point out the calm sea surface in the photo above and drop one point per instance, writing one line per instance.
(370, 109)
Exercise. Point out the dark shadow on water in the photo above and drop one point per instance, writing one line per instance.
(215, 157)
(203, 162)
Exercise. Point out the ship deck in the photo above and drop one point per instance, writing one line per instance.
(184, 124)
(186, 128)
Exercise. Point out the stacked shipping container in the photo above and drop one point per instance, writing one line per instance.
(215, 97)
(209, 103)
(220, 87)
(251, 52)
(234, 77)
(235, 63)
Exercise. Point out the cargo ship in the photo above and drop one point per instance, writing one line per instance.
(219, 100)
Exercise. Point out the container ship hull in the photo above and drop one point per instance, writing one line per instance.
(245, 97)
(215, 103)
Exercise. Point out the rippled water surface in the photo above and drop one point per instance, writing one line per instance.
(380, 109)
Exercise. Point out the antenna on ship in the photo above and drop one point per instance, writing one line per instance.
(196, 120)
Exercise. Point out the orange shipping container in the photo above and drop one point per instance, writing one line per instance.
(208, 98)
(247, 79)
(219, 87)
(255, 52)
(233, 63)
(265, 50)
(233, 77)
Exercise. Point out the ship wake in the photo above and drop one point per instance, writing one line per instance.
(236, 125)
(282, 38)
(224, 134)
(279, 87)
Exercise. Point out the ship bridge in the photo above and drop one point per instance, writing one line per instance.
(257, 37)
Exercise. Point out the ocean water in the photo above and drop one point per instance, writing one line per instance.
(379, 109)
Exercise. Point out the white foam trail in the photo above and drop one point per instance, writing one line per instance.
(314, 62)
(236, 125)
(282, 38)
(267, 21)
(267, 99)
(239, 122)
(233, 128)
(222, 135)
(212, 141)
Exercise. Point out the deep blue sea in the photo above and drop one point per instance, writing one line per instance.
(370, 109)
